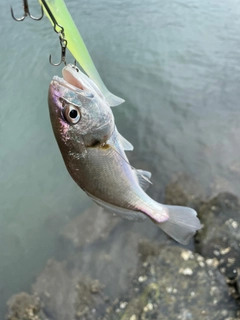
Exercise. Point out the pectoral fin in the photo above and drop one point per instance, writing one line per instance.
(120, 212)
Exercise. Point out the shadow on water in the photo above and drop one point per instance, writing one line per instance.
(177, 66)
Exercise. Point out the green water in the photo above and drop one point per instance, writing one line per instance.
(177, 65)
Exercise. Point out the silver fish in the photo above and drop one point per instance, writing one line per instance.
(93, 152)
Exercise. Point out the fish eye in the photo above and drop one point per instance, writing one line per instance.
(72, 114)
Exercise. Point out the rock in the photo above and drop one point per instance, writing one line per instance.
(92, 225)
(105, 247)
(66, 289)
(171, 283)
(116, 261)
(220, 237)
(23, 306)
(176, 284)
(67, 294)
(185, 191)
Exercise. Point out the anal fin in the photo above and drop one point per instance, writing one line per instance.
(118, 211)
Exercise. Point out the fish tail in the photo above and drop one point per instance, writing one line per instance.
(182, 223)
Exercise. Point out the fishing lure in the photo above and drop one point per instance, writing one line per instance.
(76, 45)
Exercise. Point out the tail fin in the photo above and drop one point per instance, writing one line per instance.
(182, 223)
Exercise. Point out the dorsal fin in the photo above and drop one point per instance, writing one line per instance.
(125, 143)
(144, 178)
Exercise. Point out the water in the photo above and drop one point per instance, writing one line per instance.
(177, 65)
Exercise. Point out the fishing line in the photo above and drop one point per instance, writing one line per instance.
(145, 178)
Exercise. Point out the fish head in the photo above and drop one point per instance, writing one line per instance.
(78, 113)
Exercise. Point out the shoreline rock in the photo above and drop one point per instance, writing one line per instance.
(220, 236)
(111, 269)
(177, 284)
(23, 306)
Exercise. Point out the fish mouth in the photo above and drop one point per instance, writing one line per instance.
(75, 80)
(74, 76)
(61, 82)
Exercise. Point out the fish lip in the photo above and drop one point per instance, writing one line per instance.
(60, 81)
(69, 74)
(65, 84)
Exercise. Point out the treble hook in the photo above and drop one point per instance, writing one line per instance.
(27, 12)
(60, 31)
(63, 44)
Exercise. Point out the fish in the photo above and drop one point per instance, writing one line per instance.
(94, 154)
